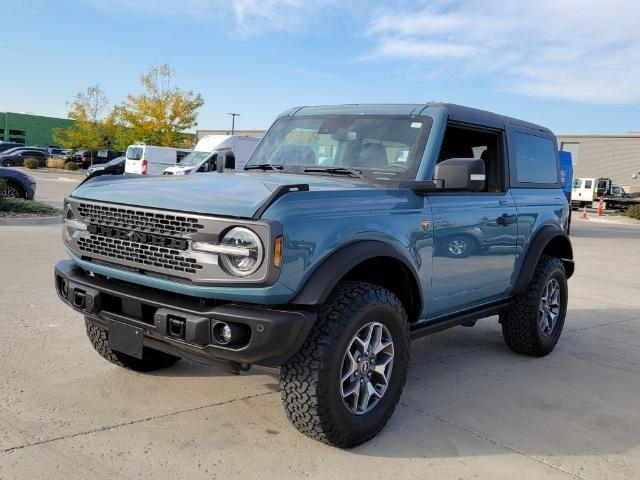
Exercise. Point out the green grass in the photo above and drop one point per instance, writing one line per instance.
(18, 205)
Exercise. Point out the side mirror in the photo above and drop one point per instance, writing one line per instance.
(461, 174)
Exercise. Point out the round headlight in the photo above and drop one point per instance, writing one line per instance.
(242, 265)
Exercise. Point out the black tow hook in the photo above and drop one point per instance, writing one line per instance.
(79, 298)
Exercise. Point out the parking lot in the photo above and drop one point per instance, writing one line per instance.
(471, 408)
(54, 185)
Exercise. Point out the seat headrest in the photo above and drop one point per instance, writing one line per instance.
(373, 155)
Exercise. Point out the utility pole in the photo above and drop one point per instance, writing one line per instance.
(233, 121)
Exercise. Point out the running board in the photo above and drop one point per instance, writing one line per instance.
(427, 327)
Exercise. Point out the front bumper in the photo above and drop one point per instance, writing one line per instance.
(271, 335)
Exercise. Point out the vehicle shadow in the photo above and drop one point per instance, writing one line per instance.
(187, 368)
(468, 395)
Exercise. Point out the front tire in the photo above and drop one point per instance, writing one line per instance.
(7, 163)
(13, 191)
(533, 325)
(343, 385)
(151, 359)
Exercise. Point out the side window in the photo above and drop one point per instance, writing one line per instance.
(577, 183)
(460, 142)
(535, 159)
(588, 184)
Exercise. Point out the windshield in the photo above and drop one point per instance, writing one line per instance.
(193, 159)
(135, 153)
(115, 161)
(375, 145)
(11, 151)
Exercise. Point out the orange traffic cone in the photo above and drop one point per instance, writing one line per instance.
(601, 207)
(584, 214)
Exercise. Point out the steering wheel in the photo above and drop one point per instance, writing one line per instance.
(395, 166)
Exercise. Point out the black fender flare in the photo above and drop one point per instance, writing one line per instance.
(327, 275)
(545, 236)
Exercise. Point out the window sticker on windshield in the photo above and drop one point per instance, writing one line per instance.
(416, 124)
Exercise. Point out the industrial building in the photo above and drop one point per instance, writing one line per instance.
(32, 130)
(610, 156)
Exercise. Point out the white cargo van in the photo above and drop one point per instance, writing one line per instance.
(151, 160)
(216, 153)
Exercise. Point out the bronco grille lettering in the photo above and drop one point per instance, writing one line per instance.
(138, 237)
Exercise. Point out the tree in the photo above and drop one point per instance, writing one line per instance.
(161, 114)
(94, 129)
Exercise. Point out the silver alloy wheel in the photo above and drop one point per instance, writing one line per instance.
(11, 192)
(549, 310)
(457, 247)
(366, 368)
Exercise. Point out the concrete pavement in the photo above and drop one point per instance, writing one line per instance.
(471, 408)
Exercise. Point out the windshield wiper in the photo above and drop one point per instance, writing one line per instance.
(263, 166)
(351, 172)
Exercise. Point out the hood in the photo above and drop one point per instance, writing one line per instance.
(179, 168)
(230, 194)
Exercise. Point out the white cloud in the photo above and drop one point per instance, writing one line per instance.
(249, 17)
(257, 16)
(576, 50)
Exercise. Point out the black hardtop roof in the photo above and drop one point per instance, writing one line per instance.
(457, 113)
(462, 114)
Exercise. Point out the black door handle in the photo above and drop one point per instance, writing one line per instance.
(506, 219)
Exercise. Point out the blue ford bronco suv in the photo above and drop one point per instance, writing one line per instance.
(352, 230)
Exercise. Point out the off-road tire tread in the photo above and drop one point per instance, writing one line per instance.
(299, 377)
(151, 359)
(517, 329)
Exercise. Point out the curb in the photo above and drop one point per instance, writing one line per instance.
(29, 221)
(610, 222)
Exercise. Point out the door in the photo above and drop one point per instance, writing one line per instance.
(474, 233)
(474, 249)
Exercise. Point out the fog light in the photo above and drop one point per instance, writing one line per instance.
(229, 334)
(225, 333)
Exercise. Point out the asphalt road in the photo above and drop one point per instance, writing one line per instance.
(471, 409)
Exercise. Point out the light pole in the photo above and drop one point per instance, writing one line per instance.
(233, 121)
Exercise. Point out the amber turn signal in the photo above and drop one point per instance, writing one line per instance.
(277, 252)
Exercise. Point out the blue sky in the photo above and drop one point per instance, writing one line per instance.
(572, 65)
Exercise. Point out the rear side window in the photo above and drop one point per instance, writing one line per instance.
(535, 159)
(135, 153)
(588, 184)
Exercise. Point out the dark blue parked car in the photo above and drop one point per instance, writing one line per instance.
(352, 229)
(19, 185)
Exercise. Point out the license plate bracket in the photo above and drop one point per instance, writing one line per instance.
(126, 338)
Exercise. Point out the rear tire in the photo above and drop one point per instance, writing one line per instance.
(316, 381)
(532, 326)
(151, 359)
(461, 246)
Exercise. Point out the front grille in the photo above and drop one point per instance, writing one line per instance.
(156, 243)
(139, 253)
(151, 222)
